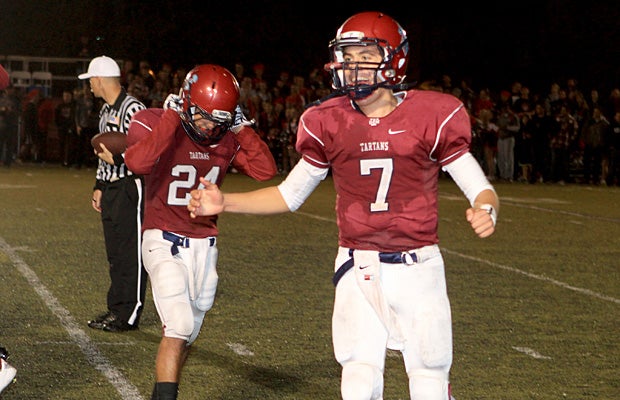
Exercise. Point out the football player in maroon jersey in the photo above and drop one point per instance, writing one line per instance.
(199, 134)
(4, 78)
(386, 145)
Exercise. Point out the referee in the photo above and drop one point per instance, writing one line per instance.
(118, 196)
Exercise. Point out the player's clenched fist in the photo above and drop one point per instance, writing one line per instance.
(481, 221)
(207, 201)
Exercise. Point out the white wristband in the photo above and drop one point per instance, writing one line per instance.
(491, 210)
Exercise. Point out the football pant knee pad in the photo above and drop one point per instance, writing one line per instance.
(186, 321)
(204, 302)
(170, 294)
(361, 382)
(428, 384)
(179, 322)
(435, 338)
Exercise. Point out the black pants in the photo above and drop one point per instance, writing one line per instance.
(592, 164)
(122, 212)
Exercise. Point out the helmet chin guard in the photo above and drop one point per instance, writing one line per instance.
(369, 29)
(206, 136)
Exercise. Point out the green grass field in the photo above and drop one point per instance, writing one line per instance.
(536, 307)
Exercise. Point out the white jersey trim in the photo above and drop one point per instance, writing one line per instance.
(310, 133)
(145, 126)
(440, 131)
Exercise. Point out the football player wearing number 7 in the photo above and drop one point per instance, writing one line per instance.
(198, 134)
(385, 145)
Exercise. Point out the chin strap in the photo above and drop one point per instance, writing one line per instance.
(343, 91)
(402, 86)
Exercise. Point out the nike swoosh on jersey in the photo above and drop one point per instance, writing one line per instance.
(391, 132)
(364, 266)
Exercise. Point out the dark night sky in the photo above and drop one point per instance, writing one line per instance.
(493, 43)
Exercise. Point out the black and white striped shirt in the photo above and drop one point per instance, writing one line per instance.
(116, 118)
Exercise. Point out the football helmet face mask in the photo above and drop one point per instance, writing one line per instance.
(369, 29)
(209, 92)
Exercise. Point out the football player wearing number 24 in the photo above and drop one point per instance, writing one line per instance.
(385, 144)
(199, 134)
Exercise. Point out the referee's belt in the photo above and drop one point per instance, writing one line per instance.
(182, 241)
(403, 257)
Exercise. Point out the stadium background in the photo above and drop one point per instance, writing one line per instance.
(494, 43)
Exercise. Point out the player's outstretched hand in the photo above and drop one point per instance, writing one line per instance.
(481, 221)
(207, 201)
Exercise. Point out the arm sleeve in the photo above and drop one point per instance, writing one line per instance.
(468, 175)
(300, 183)
(254, 158)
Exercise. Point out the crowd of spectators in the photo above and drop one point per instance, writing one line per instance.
(563, 134)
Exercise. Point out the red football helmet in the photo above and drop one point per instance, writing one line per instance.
(212, 92)
(369, 29)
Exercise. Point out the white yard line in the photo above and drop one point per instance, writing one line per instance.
(532, 353)
(534, 276)
(125, 388)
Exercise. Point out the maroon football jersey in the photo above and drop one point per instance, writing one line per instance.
(172, 164)
(386, 170)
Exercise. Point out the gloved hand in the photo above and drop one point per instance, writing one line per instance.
(240, 120)
(174, 102)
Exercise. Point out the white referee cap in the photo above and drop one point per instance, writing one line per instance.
(102, 66)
